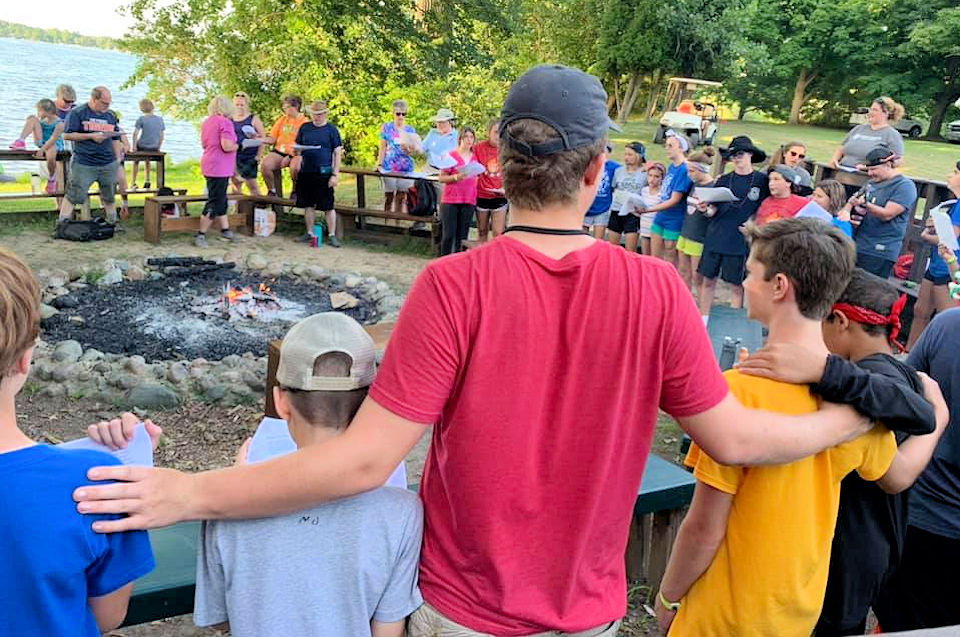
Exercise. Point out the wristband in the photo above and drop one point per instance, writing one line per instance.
(951, 260)
(671, 606)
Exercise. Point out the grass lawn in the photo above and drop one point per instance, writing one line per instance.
(931, 160)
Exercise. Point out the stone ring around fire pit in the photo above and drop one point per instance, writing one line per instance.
(153, 333)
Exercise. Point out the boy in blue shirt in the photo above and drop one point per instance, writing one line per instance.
(599, 212)
(57, 576)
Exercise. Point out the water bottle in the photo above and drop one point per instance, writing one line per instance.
(318, 235)
(728, 352)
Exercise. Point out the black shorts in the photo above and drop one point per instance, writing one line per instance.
(277, 152)
(216, 205)
(314, 191)
(489, 205)
(730, 267)
(627, 224)
(875, 265)
(247, 168)
(937, 280)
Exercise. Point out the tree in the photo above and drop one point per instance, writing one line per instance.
(934, 51)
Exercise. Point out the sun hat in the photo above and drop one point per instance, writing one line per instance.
(745, 144)
(443, 115)
(879, 155)
(320, 106)
(791, 175)
(322, 334)
(569, 101)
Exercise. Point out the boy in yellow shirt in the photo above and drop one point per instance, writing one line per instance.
(753, 553)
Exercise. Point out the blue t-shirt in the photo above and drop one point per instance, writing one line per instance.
(52, 559)
(327, 137)
(879, 238)
(723, 231)
(845, 226)
(677, 179)
(438, 147)
(937, 266)
(84, 119)
(604, 199)
(935, 497)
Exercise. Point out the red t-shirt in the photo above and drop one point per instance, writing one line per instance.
(486, 154)
(543, 378)
(772, 208)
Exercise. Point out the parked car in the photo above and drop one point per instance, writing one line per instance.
(907, 126)
(952, 133)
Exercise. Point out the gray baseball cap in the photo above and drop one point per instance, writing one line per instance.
(569, 101)
(321, 334)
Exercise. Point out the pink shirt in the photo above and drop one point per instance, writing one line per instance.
(215, 162)
(464, 191)
(528, 492)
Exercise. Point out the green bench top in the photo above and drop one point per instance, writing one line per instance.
(168, 591)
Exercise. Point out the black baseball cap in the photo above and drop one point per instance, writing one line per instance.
(879, 155)
(569, 101)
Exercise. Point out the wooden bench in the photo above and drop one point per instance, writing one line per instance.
(155, 224)
(664, 493)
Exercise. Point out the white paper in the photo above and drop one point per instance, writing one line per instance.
(441, 161)
(272, 440)
(632, 204)
(138, 452)
(249, 131)
(472, 169)
(715, 195)
(815, 210)
(619, 198)
(306, 147)
(411, 141)
(945, 232)
(251, 143)
(847, 169)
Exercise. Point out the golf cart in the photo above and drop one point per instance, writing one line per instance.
(697, 120)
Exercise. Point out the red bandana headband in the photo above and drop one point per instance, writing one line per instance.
(859, 314)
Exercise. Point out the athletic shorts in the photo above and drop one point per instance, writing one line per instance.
(81, 177)
(730, 267)
(689, 247)
(668, 235)
(247, 168)
(216, 205)
(314, 191)
(597, 220)
(627, 224)
(493, 204)
(935, 279)
(395, 184)
(284, 155)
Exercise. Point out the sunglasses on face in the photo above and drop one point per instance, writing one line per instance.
(69, 102)
(794, 153)
(400, 114)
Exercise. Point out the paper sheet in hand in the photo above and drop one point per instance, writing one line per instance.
(715, 195)
(847, 169)
(945, 232)
(441, 161)
(139, 451)
(410, 140)
(472, 169)
(251, 143)
(630, 204)
(249, 131)
(815, 210)
(306, 147)
(272, 440)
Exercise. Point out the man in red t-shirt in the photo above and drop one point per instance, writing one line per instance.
(541, 360)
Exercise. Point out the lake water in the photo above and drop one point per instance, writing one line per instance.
(32, 70)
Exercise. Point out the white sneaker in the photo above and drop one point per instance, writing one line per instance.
(200, 241)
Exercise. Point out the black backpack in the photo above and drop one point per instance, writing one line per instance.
(95, 229)
(423, 198)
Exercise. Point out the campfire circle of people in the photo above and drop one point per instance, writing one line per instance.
(804, 457)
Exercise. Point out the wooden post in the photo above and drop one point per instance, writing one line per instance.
(151, 220)
(245, 209)
(361, 192)
(161, 170)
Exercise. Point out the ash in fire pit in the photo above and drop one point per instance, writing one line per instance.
(210, 315)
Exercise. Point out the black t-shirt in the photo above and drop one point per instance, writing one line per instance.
(723, 232)
(327, 137)
(871, 524)
(695, 223)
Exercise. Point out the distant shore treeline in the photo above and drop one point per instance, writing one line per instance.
(57, 36)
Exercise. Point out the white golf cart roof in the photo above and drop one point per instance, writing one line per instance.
(688, 80)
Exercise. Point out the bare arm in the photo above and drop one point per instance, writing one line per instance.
(387, 629)
(109, 610)
(382, 152)
(79, 137)
(890, 211)
(360, 459)
(228, 145)
(837, 156)
(735, 435)
(136, 138)
(674, 199)
(449, 178)
(57, 132)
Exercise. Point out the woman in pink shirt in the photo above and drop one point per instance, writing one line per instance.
(459, 200)
(219, 141)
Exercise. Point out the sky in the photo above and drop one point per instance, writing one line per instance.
(88, 17)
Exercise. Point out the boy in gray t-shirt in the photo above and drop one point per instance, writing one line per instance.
(347, 567)
(148, 132)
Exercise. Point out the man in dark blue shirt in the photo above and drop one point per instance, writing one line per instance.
(96, 146)
(319, 144)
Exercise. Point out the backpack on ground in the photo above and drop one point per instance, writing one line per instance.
(423, 199)
(96, 229)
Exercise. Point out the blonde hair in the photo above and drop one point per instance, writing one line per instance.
(893, 109)
(220, 105)
(19, 310)
(66, 92)
(146, 106)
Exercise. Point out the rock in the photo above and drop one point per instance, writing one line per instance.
(47, 311)
(43, 370)
(58, 291)
(136, 365)
(77, 320)
(177, 373)
(53, 391)
(77, 285)
(216, 392)
(67, 351)
(58, 278)
(232, 377)
(153, 397)
(233, 256)
(253, 381)
(124, 266)
(112, 277)
(77, 273)
(298, 269)
(155, 276)
(66, 301)
(91, 355)
(256, 262)
(103, 367)
(65, 371)
(231, 361)
(316, 273)
(343, 300)
(352, 281)
(136, 273)
(275, 269)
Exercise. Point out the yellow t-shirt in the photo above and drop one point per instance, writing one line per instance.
(770, 572)
(285, 131)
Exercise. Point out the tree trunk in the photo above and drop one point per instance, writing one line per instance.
(654, 97)
(945, 98)
(633, 90)
(616, 94)
(742, 112)
(800, 94)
